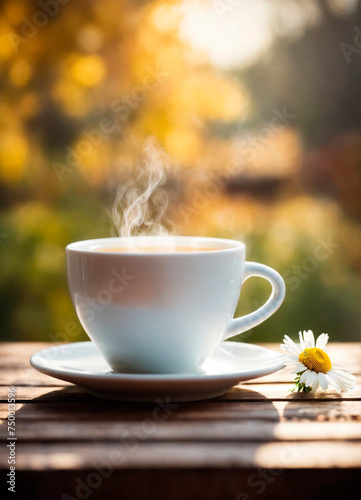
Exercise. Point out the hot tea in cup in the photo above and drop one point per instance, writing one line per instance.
(162, 305)
(155, 249)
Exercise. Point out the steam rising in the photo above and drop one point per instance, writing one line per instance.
(140, 205)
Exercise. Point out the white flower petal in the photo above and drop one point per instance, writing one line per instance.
(343, 373)
(289, 352)
(310, 378)
(285, 348)
(334, 381)
(309, 339)
(323, 381)
(331, 384)
(322, 341)
(302, 342)
(290, 345)
(343, 378)
(315, 382)
(345, 384)
(293, 357)
(304, 376)
(287, 362)
(299, 368)
(290, 359)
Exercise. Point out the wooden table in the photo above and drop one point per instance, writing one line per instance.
(256, 442)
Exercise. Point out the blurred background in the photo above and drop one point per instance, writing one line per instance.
(256, 102)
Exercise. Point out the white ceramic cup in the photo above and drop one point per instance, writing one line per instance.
(164, 311)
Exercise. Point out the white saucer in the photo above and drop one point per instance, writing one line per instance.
(231, 363)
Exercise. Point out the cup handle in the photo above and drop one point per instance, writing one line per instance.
(239, 325)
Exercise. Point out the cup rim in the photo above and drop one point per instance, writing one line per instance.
(90, 246)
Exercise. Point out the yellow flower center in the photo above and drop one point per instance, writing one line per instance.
(316, 359)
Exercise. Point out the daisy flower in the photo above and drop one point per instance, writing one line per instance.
(313, 365)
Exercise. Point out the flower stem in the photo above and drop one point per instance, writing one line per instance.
(300, 387)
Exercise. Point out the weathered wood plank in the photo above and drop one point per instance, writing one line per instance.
(195, 450)
(285, 375)
(206, 430)
(272, 392)
(190, 484)
(16, 355)
(98, 410)
(28, 377)
(24, 349)
(279, 392)
(134, 454)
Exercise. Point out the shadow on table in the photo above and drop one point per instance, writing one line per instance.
(225, 448)
(196, 450)
(76, 403)
(320, 407)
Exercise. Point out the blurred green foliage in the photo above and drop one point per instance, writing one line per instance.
(295, 185)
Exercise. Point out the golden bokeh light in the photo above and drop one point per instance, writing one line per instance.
(15, 10)
(164, 17)
(29, 105)
(20, 73)
(71, 97)
(6, 48)
(13, 156)
(182, 144)
(90, 38)
(209, 80)
(215, 98)
(88, 71)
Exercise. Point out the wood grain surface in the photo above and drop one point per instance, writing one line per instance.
(258, 441)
